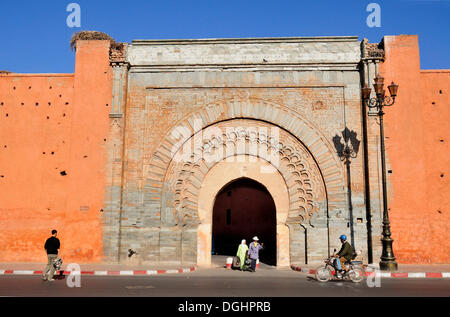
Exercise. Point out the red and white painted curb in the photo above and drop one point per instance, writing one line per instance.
(102, 273)
(388, 274)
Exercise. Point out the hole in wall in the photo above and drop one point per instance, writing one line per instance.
(63, 173)
(433, 103)
(390, 171)
(440, 91)
(442, 175)
(131, 252)
(37, 104)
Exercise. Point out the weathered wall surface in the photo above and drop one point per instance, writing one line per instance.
(435, 86)
(312, 82)
(53, 131)
(89, 153)
(417, 134)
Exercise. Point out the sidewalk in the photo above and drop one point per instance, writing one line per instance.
(404, 270)
(98, 269)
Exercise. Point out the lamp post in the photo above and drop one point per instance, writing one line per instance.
(347, 151)
(387, 262)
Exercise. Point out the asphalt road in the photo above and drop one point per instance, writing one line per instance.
(220, 283)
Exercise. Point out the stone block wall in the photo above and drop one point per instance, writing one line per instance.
(316, 79)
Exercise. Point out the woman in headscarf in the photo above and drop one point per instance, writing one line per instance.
(242, 253)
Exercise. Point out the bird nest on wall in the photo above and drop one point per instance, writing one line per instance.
(90, 35)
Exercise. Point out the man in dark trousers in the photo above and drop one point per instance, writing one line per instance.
(253, 253)
(51, 246)
(345, 253)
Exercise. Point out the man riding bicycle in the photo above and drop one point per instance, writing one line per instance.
(345, 254)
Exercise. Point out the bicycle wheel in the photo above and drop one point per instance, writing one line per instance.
(323, 274)
(356, 274)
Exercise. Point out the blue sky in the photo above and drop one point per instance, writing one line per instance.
(35, 37)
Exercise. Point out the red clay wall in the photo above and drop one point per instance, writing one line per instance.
(419, 197)
(436, 116)
(57, 123)
(51, 125)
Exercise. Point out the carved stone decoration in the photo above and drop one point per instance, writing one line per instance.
(118, 53)
(372, 50)
(302, 156)
(157, 164)
(319, 105)
(244, 137)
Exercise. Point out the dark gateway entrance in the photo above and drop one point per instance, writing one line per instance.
(244, 209)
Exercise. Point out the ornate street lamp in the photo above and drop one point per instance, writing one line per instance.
(347, 151)
(387, 262)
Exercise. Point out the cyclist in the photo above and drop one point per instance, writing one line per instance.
(345, 254)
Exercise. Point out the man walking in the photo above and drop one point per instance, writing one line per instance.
(253, 252)
(51, 246)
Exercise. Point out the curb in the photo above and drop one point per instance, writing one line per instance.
(388, 274)
(101, 273)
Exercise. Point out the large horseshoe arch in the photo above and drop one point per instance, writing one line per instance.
(233, 149)
(177, 197)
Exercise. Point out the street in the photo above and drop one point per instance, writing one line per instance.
(218, 282)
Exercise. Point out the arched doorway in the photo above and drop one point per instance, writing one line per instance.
(243, 209)
(306, 176)
(224, 173)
